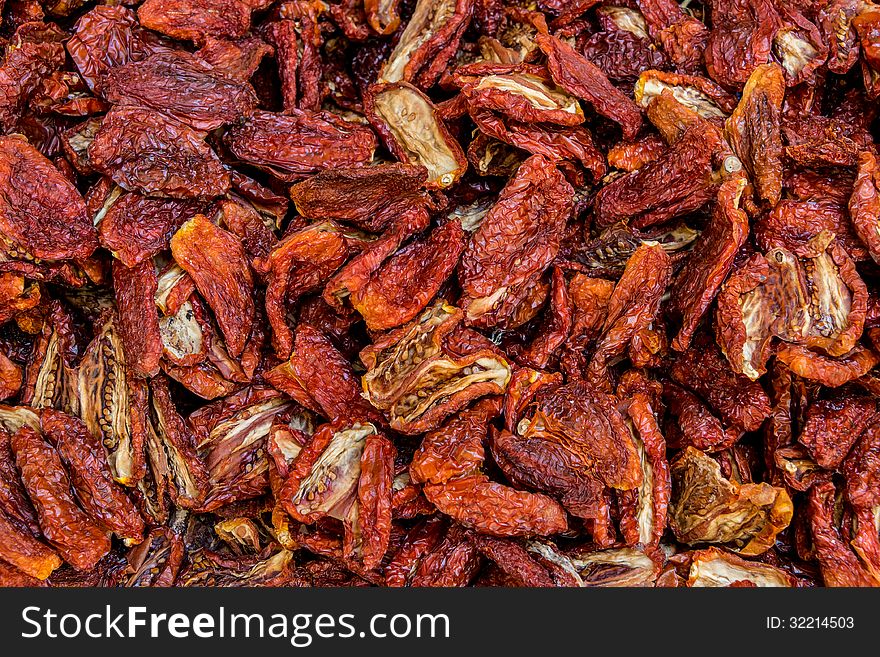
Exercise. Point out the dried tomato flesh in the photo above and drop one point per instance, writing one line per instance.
(439, 293)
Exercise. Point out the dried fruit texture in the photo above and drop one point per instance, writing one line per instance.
(300, 142)
(103, 400)
(408, 281)
(833, 425)
(421, 373)
(694, 92)
(573, 143)
(101, 498)
(30, 58)
(148, 152)
(195, 20)
(864, 204)
(367, 197)
(741, 39)
(680, 181)
(231, 436)
(840, 564)
(25, 553)
(237, 59)
(456, 448)
(623, 48)
(707, 508)
(583, 79)
(866, 24)
(695, 286)
(135, 228)
(497, 510)
(42, 215)
(106, 37)
(814, 301)
(135, 289)
(753, 131)
(320, 378)
(296, 266)
(525, 97)
(427, 43)
(644, 510)
(439, 293)
(516, 241)
(792, 224)
(77, 537)
(182, 86)
(714, 567)
(632, 307)
(414, 131)
(682, 37)
(739, 401)
(217, 263)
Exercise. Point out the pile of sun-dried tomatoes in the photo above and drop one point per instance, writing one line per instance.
(440, 293)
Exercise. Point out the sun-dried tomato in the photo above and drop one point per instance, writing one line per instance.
(833, 425)
(695, 286)
(296, 266)
(633, 305)
(583, 79)
(25, 553)
(682, 37)
(739, 401)
(497, 510)
(623, 48)
(864, 204)
(816, 300)
(148, 152)
(741, 39)
(839, 564)
(629, 156)
(572, 443)
(135, 289)
(792, 224)
(524, 97)
(572, 143)
(300, 142)
(867, 24)
(236, 59)
(361, 195)
(515, 242)
(368, 530)
(216, 261)
(428, 41)
(101, 498)
(414, 131)
(106, 37)
(707, 508)
(320, 378)
(181, 86)
(230, 436)
(644, 510)
(408, 280)
(185, 473)
(78, 539)
(134, 227)
(680, 181)
(753, 131)
(456, 448)
(490, 252)
(156, 561)
(713, 567)
(196, 19)
(419, 374)
(42, 214)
